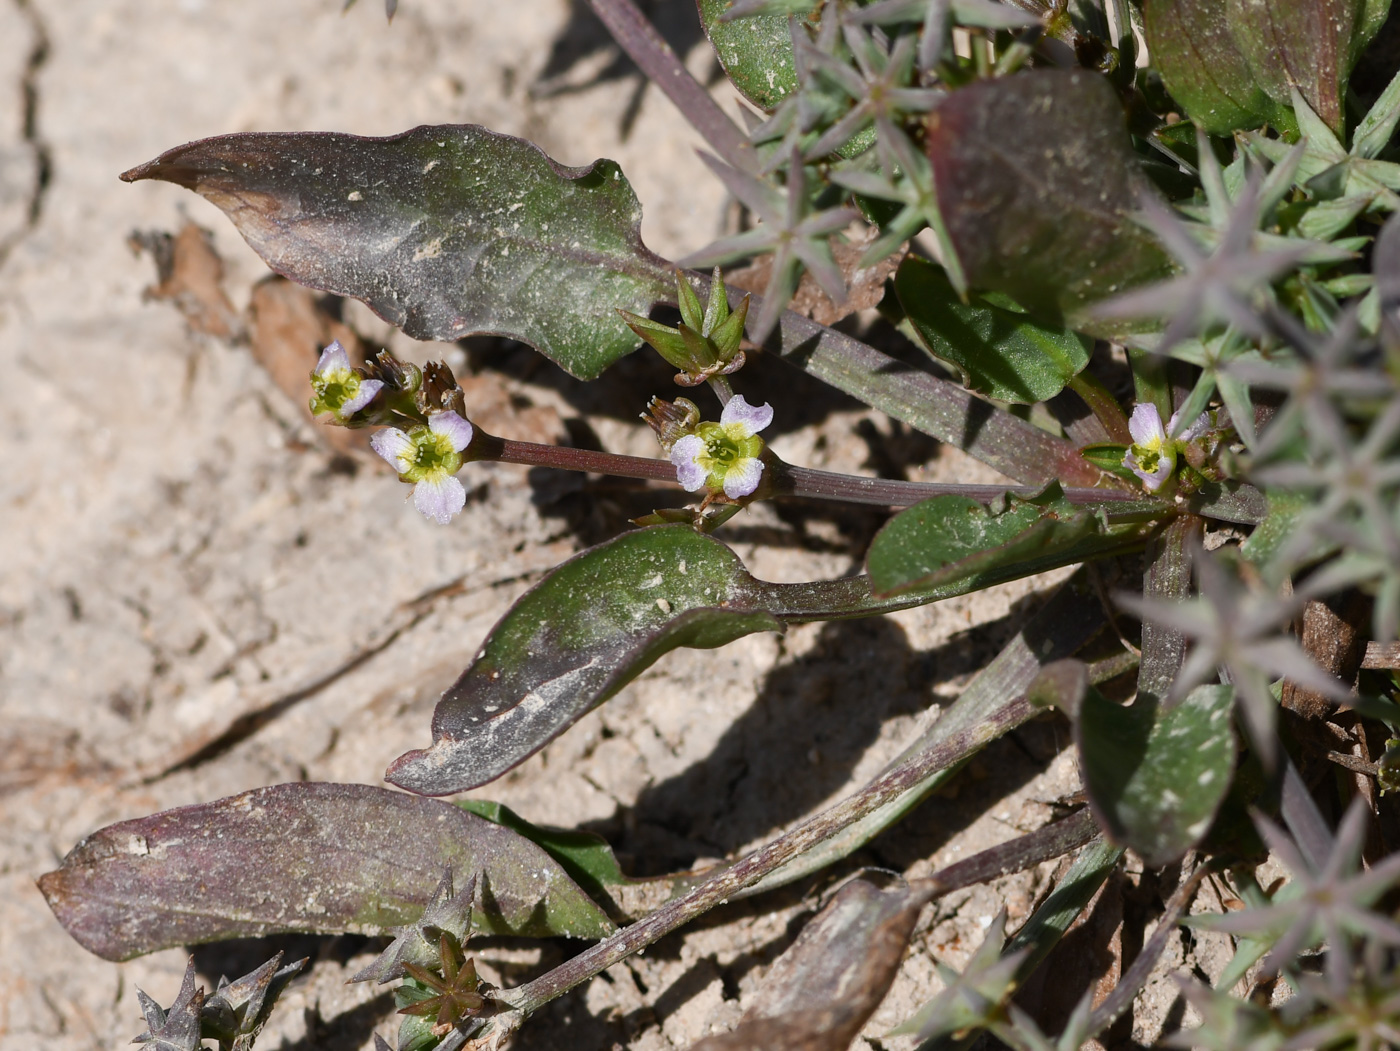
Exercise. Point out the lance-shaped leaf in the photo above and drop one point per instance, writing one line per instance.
(1000, 352)
(1307, 44)
(947, 410)
(948, 539)
(177, 1029)
(1193, 48)
(818, 994)
(444, 231)
(755, 53)
(1043, 214)
(996, 697)
(318, 858)
(602, 618)
(238, 1010)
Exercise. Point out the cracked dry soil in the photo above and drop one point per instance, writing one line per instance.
(201, 595)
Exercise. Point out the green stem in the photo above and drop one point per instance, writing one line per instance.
(1103, 405)
(720, 385)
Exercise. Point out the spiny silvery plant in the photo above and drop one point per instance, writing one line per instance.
(1154, 284)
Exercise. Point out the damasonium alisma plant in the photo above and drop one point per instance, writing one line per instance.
(1157, 288)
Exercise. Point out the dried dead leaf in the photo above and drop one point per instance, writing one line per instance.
(190, 274)
(865, 286)
(288, 327)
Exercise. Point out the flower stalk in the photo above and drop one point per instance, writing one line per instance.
(787, 480)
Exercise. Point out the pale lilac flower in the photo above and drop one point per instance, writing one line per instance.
(1152, 456)
(339, 389)
(724, 456)
(429, 457)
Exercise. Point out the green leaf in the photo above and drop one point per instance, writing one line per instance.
(1155, 776)
(443, 231)
(971, 1000)
(600, 619)
(951, 539)
(1285, 507)
(317, 858)
(755, 53)
(1193, 48)
(1374, 132)
(1108, 457)
(1043, 214)
(575, 639)
(1048, 924)
(1001, 353)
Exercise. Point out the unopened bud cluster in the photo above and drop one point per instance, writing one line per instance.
(706, 344)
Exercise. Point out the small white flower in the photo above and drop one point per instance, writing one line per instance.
(429, 457)
(724, 456)
(1152, 456)
(339, 389)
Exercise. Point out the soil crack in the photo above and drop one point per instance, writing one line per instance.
(30, 132)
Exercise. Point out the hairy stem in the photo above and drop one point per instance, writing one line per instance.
(654, 57)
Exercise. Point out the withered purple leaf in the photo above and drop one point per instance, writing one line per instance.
(307, 857)
(1043, 214)
(819, 993)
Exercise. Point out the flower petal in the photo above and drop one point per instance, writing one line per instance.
(685, 454)
(457, 430)
(742, 478)
(1145, 425)
(395, 447)
(754, 418)
(1197, 428)
(332, 358)
(439, 498)
(365, 395)
(1153, 480)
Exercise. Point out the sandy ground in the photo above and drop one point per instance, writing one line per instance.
(182, 548)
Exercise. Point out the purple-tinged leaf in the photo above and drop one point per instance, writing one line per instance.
(177, 1029)
(1192, 47)
(444, 231)
(1307, 44)
(320, 858)
(237, 1011)
(1043, 214)
(819, 993)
